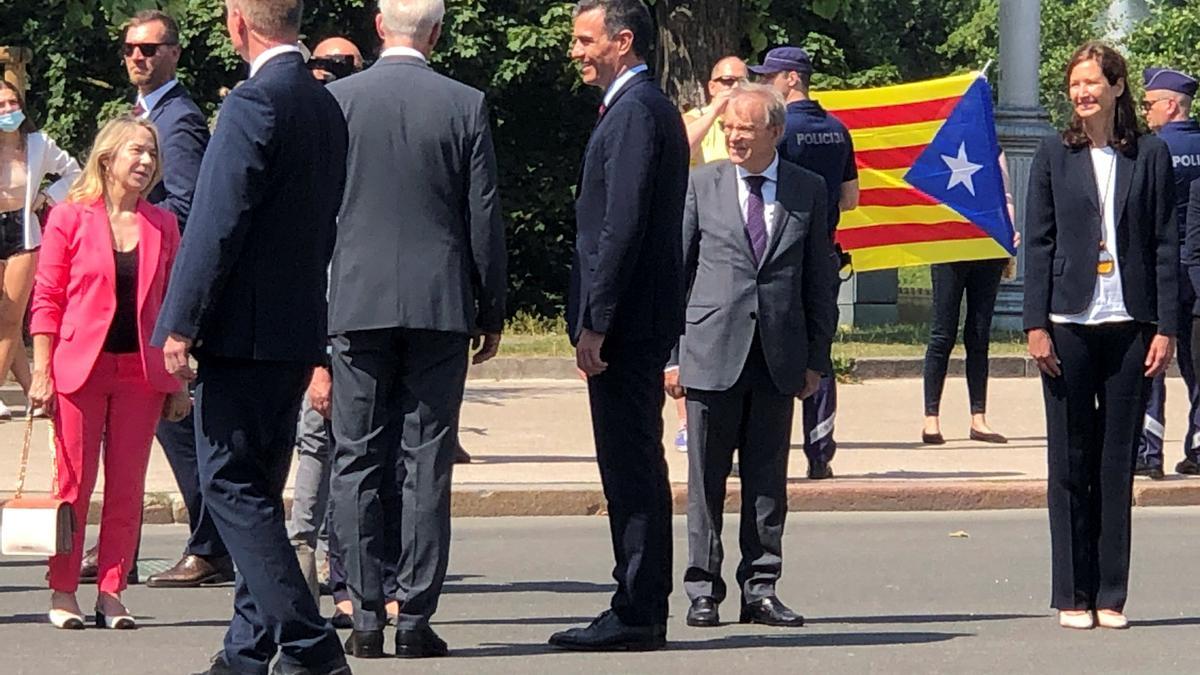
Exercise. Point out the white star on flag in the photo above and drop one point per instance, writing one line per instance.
(961, 169)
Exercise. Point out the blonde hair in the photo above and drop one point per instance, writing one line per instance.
(90, 185)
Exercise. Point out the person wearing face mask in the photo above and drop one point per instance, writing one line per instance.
(27, 158)
(1101, 316)
(105, 261)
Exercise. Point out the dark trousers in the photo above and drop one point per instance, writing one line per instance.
(819, 413)
(754, 418)
(1150, 443)
(626, 400)
(396, 400)
(245, 429)
(979, 280)
(1093, 411)
(178, 440)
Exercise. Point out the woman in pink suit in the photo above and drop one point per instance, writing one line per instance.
(106, 256)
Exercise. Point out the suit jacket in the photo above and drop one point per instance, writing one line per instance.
(1063, 232)
(251, 276)
(626, 280)
(182, 136)
(44, 158)
(789, 299)
(1190, 255)
(420, 241)
(74, 294)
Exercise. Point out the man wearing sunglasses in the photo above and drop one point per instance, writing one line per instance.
(150, 50)
(1167, 105)
(705, 137)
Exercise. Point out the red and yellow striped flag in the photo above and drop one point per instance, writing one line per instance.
(897, 223)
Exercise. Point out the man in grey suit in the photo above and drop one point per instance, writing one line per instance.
(760, 319)
(418, 274)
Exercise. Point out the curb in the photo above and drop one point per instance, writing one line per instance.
(863, 368)
(483, 501)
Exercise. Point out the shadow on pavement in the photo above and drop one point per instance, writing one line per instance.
(922, 618)
(922, 475)
(17, 562)
(1174, 621)
(21, 589)
(735, 642)
(532, 459)
(526, 621)
(533, 587)
(12, 619)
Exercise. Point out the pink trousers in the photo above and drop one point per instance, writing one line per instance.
(117, 410)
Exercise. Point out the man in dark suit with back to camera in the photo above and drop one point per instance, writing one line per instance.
(761, 314)
(419, 273)
(248, 295)
(625, 310)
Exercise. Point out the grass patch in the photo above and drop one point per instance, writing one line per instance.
(915, 277)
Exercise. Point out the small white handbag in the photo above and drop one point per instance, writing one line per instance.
(38, 527)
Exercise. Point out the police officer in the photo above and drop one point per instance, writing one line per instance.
(819, 142)
(1167, 105)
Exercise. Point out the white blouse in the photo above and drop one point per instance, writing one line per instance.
(1108, 298)
(42, 158)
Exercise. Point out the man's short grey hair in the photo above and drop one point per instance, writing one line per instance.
(278, 19)
(411, 18)
(773, 106)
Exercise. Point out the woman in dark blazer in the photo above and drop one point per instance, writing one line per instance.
(1100, 315)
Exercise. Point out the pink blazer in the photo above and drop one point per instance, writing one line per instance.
(74, 295)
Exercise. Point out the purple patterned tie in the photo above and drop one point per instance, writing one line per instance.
(756, 222)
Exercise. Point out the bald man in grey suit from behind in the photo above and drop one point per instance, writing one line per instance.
(418, 273)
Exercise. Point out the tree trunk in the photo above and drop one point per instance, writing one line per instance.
(692, 36)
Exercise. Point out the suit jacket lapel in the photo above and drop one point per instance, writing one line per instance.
(779, 220)
(1124, 169)
(100, 234)
(731, 207)
(149, 247)
(1082, 159)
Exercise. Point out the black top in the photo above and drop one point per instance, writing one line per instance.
(1063, 233)
(123, 333)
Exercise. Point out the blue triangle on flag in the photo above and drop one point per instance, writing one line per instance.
(961, 166)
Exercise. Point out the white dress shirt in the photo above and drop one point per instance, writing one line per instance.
(402, 51)
(270, 54)
(150, 100)
(613, 88)
(768, 193)
(1108, 298)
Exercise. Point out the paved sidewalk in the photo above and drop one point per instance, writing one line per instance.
(531, 440)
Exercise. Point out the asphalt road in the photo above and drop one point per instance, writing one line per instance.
(883, 592)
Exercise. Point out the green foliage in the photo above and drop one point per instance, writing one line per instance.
(1167, 38)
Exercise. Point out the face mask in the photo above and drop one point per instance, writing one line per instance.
(10, 122)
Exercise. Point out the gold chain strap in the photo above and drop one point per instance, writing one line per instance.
(25, 458)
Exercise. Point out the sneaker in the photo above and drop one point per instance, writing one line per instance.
(5, 413)
(681, 440)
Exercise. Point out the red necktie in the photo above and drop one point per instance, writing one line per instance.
(138, 110)
(603, 109)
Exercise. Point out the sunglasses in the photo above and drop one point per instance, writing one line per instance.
(1147, 105)
(148, 49)
(728, 81)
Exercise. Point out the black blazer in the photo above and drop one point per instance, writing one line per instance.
(420, 240)
(1063, 232)
(250, 278)
(627, 275)
(183, 136)
(1191, 244)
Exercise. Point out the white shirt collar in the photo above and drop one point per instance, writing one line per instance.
(270, 54)
(620, 82)
(402, 51)
(771, 173)
(150, 100)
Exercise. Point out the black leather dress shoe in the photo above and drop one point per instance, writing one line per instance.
(1188, 467)
(341, 620)
(1149, 471)
(607, 633)
(770, 612)
(703, 613)
(819, 470)
(419, 643)
(192, 571)
(335, 667)
(365, 644)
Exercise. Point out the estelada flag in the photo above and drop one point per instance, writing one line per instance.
(928, 171)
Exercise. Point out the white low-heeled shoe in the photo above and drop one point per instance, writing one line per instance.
(65, 620)
(1077, 620)
(1111, 618)
(119, 622)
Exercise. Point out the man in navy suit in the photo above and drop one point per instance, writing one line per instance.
(625, 309)
(248, 294)
(151, 51)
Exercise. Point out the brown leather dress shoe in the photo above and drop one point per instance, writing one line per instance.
(192, 571)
